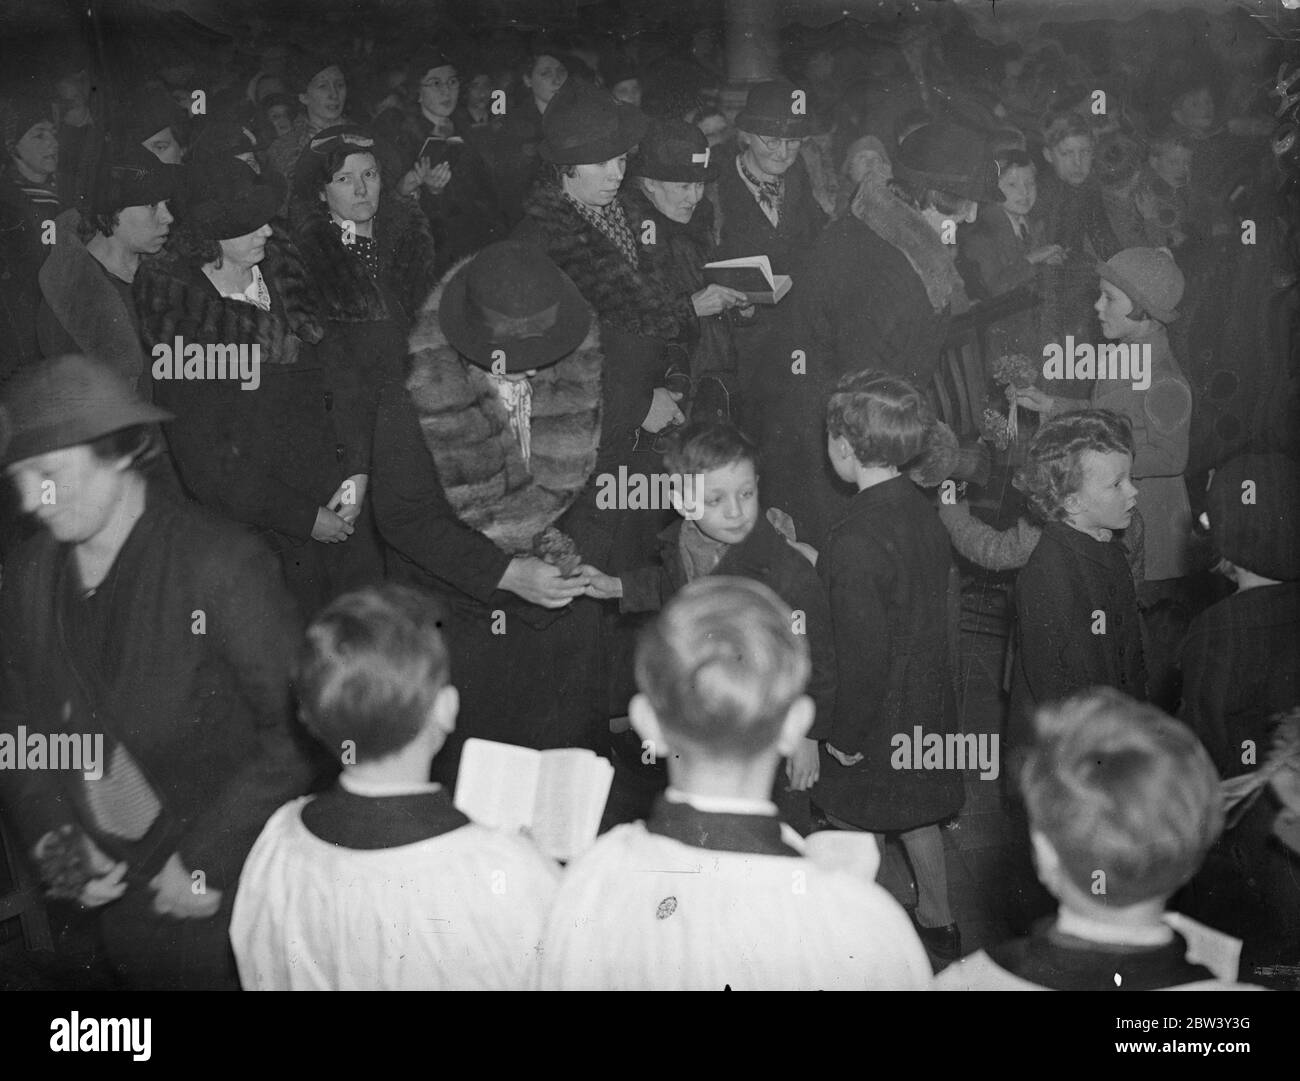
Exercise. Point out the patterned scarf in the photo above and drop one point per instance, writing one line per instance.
(612, 223)
(700, 554)
(771, 193)
(365, 248)
(517, 397)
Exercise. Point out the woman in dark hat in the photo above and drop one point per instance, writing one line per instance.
(765, 206)
(86, 284)
(162, 640)
(322, 89)
(673, 222)
(447, 175)
(157, 123)
(517, 162)
(371, 259)
(266, 446)
(491, 441)
(879, 292)
(27, 202)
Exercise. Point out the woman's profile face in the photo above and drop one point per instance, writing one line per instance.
(247, 250)
(70, 491)
(597, 184)
(164, 146)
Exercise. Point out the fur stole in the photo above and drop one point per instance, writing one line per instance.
(86, 304)
(468, 434)
(896, 223)
(681, 248)
(348, 292)
(635, 299)
(173, 299)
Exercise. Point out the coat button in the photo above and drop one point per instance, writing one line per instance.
(338, 452)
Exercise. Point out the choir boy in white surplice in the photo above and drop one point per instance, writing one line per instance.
(713, 890)
(380, 883)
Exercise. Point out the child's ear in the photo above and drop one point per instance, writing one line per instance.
(1046, 862)
(798, 719)
(446, 706)
(646, 724)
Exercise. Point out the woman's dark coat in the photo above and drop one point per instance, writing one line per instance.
(1063, 643)
(886, 565)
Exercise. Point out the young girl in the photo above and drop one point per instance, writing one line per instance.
(886, 566)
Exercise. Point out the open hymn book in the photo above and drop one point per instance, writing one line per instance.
(558, 796)
(752, 276)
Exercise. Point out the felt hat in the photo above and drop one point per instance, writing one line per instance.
(950, 159)
(224, 139)
(65, 402)
(424, 61)
(777, 110)
(229, 200)
(148, 111)
(312, 171)
(583, 125)
(1149, 277)
(1254, 510)
(305, 65)
(131, 176)
(510, 304)
(674, 150)
(19, 114)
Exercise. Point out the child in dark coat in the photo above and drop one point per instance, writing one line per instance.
(1076, 608)
(886, 566)
(714, 470)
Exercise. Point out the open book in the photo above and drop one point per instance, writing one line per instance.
(752, 276)
(559, 795)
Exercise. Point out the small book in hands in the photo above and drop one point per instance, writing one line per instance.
(435, 151)
(752, 276)
(558, 796)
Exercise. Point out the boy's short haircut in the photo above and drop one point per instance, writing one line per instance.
(1013, 158)
(1064, 126)
(885, 419)
(722, 665)
(1120, 788)
(704, 445)
(1053, 469)
(371, 665)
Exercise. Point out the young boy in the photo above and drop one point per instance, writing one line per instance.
(713, 891)
(715, 476)
(1076, 607)
(1069, 197)
(887, 566)
(1123, 805)
(1005, 245)
(380, 883)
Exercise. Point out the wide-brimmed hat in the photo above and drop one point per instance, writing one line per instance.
(428, 59)
(674, 150)
(512, 308)
(1261, 534)
(778, 110)
(230, 200)
(1149, 277)
(583, 125)
(131, 176)
(148, 111)
(224, 139)
(65, 402)
(951, 159)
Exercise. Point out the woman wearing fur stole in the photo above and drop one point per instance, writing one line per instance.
(879, 292)
(476, 460)
(256, 438)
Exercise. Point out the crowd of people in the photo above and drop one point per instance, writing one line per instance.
(331, 374)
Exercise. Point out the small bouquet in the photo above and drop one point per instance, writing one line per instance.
(1018, 371)
(997, 428)
(558, 549)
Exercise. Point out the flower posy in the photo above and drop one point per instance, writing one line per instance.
(1014, 370)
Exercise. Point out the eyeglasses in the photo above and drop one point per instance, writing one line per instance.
(774, 145)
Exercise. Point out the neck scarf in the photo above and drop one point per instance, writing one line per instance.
(771, 193)
(517, 397)
(612, 224)
(364, 248)
(700, 554)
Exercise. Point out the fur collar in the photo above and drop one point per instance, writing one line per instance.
(896, 223)
(86, 305)
(347, 290)
(635, 299)
(468, 435)
(173, 299)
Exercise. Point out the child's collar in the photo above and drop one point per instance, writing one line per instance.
(1078, 925)
(730, 805)
(376, 788)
